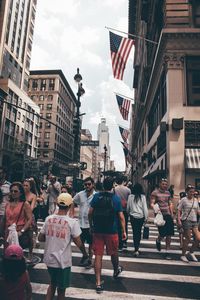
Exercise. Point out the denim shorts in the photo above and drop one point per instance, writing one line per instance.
(187, 224)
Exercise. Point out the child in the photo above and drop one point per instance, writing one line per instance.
(58, 231)
(15, 283)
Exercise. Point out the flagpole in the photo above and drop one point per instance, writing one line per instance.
(137, 36)
(125, 96)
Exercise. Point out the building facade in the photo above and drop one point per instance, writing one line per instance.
(166, 114)
(89, 155)
(50, 90)
(19, 115)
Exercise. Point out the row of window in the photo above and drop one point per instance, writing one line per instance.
(42, 97)
(42, 84)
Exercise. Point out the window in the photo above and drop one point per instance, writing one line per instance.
(192, 134)
(34, 84)
(50, 97)
(193, 81)
(48, 116)
(49, 106)
(46, 144)
(41, 98)
(47, 135)
(18, 115)
(43, 85)
(47, 125)
(196, 13)
(23, 118)
(51, 84)
(40, 125)
(41, 106)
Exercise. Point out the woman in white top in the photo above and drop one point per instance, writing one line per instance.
(138, 211)
(188, 209)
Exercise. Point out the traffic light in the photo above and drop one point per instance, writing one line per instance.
(83, 165)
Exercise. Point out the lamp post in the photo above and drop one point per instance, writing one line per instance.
(80, 92)
(105, 158)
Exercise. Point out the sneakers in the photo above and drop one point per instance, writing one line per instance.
(184, 259)
(99, 288)
(120, 249)
(168, 256)
(89, 264)
(84, 261)
(136, 254)
(119, 270)
(192, 256)
(158, 245)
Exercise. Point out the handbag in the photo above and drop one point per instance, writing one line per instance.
(145, 232)
(25, 237)
(159, 221)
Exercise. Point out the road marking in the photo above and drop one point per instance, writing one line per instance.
(133, 275)
(78, 293)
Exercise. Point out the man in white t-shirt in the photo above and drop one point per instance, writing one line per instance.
(82, 200)
(57, 232)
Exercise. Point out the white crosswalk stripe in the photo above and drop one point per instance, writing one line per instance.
(173, 279)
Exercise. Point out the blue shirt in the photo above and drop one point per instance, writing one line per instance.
(117, 208)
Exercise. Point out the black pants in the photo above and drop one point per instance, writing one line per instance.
(137, 229)
(121, 242)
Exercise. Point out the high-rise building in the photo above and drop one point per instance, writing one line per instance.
(104, 147)
(19, 115)
(166, 122)
(17, 18)
(50, 90)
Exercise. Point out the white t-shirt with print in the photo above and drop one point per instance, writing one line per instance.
(59, 231)
(83, 201)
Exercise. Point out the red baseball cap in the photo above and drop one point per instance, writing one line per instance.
(14, 251)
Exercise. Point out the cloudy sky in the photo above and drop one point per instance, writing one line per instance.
(70, 34)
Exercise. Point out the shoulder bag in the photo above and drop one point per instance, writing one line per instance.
(25, 237)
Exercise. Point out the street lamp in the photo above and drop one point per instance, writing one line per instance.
(80, 92)
(105, 158)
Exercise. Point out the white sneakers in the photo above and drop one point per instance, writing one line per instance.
(190, 255)
(184, 259)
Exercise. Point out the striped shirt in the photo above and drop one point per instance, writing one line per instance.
(163, 200)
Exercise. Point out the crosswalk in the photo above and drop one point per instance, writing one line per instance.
(149, 276)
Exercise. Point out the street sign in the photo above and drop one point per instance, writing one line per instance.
(90, 143)
(79, 165)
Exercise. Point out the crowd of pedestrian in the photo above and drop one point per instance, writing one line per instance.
(104, 210)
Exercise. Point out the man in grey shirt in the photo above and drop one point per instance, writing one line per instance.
(123, 192)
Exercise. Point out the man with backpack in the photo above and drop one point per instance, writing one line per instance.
(104, 215)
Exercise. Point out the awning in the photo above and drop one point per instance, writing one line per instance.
(192, 158)
(159, 164)
(146, 173)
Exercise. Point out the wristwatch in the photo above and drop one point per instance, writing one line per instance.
(22, 230)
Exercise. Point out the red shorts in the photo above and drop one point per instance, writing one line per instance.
(100, 240)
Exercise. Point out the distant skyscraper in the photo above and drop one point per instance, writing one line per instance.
(103, 137)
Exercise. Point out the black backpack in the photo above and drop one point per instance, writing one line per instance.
(104, 212)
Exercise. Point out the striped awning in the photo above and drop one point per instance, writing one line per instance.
(192, 158)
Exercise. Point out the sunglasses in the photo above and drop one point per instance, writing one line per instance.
(87, 184)
(14, 191)
(164, 179)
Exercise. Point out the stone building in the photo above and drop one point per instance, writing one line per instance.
(166, 114)
(50, 90)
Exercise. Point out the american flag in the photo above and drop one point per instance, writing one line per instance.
(124, 133)
(124, 106)
(120, 48)
(127, 154)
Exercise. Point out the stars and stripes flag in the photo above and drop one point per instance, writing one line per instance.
(124, 133)
(124, 106)
(127, 154)
(120, 48)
